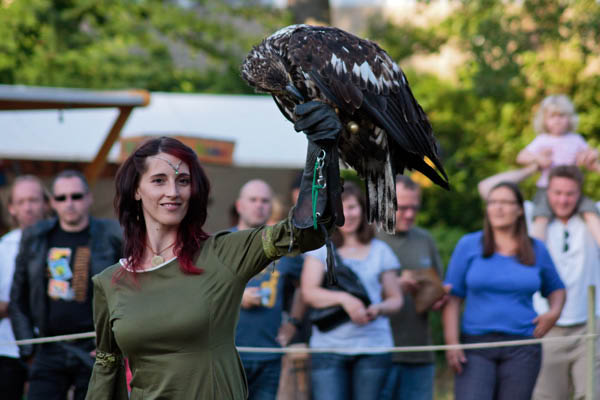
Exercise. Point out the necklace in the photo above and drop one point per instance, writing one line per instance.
(157, 259)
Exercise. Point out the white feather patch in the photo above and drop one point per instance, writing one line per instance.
(338, 64)
(356, 70)
(285, 31)
(365, 70)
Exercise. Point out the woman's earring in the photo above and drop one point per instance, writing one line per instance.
(139, 210)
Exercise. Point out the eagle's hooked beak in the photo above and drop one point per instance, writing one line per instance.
(291, 89)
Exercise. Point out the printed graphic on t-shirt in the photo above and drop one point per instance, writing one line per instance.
(60, 290)
(58, 263)
(268, 286)
(59, 284)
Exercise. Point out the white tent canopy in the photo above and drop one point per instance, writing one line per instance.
(262, 136)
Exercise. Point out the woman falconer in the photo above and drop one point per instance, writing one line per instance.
(171, 305)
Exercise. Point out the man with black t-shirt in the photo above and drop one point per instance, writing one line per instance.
(52, 293)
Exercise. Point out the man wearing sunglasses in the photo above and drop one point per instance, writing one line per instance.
(51, 291)
(577, 258)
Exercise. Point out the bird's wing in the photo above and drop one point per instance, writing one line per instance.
(356, 74)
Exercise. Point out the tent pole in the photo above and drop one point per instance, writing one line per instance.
(93, 170)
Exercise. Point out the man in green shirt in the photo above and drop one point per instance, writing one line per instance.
(412, 374)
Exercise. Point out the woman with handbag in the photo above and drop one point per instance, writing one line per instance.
(350, 315)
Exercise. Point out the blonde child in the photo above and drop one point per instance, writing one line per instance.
(557, 144)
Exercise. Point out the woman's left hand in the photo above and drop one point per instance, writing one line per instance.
(544, 322)
(374, 311)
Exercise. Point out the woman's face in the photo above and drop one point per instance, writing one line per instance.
(352, 214)
(503, 208)
(164, 190)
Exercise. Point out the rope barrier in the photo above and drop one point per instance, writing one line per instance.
(358, 350)
(50, 339)
(408, 349)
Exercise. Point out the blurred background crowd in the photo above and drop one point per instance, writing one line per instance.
(479, 70)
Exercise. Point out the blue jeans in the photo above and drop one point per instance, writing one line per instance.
(263, 378)
(502, 373)
(348, 377)
(412, 381)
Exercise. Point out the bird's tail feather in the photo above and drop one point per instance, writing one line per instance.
(381, 196)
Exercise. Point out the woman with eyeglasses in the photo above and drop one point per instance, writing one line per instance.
(495, 272)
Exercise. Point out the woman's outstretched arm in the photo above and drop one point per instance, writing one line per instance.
(514, 176)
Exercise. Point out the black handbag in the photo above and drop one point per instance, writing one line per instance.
(329, 318)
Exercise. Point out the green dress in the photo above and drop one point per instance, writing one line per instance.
(178, 330)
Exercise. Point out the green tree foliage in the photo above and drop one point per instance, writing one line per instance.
(151, 44)
(517, 53)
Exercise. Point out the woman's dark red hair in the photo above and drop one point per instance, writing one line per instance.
(190, 235)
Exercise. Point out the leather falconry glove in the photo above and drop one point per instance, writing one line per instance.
(320, 200)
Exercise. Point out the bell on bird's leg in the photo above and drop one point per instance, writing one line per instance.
(352, 127)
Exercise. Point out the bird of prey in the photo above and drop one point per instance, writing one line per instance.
(385, 130)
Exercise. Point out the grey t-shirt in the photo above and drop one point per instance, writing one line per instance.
(415, 249)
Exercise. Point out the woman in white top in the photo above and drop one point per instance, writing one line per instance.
(355, 374)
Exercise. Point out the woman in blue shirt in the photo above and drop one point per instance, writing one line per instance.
(496, 272)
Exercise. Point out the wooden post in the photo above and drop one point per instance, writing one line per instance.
(94, 169)
(591, 344)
